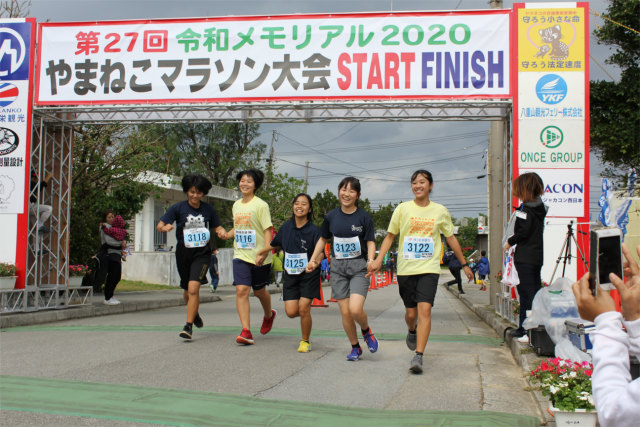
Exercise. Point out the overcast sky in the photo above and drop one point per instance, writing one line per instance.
(381, 155)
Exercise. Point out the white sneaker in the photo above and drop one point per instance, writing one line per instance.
(114, 301)
(107, 302)
(523, 339)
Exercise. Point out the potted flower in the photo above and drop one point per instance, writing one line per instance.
(7, 275)
(77, 273)
(568, 386)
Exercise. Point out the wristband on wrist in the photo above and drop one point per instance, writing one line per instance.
(465, 265)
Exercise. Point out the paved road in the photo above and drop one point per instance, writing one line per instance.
(133, 369)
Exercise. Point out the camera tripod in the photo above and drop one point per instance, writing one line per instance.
(565, 252)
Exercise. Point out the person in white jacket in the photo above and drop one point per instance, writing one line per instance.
(616, 396)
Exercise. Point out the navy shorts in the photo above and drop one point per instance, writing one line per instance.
(305, 285)
(247, 274)
(192, 264)
(418, 288)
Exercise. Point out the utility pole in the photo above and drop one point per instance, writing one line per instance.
(270, 161)
(306, 175)
(495, 182)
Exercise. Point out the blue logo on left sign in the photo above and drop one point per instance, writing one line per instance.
(14, 53)
(551, 89)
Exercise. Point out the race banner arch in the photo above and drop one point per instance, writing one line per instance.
(526, 67)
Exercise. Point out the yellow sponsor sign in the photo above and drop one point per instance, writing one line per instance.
(551, 40)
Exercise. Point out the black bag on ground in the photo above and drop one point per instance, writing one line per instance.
(98, 265)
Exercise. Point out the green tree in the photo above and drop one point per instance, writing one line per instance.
(381, 219)
(467, 235)
(322, 204)
(279, 195)
(215, 150)
(106, 162)
(615, 106)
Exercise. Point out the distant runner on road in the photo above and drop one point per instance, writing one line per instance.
(419, 224)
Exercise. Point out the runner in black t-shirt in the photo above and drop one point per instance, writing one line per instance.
(193, 219)
(298, 237)
(353, 248)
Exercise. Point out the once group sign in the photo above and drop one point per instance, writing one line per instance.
(350, 56)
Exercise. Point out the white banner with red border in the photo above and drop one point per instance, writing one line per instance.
(348, 56)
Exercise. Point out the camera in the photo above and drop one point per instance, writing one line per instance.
(605, 257)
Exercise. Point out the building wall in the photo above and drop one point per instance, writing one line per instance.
(160, 267)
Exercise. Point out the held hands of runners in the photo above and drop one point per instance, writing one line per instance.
(373, 267)
(589, 306)
(260, 259)
(629, 291)
(309, 268)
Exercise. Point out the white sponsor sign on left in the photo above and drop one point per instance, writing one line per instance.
(14, 113)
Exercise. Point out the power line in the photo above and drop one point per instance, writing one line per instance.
(421, 141)
(378, 170)
(324, 154)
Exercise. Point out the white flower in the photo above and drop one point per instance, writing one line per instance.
(553, 389)
(573, 374)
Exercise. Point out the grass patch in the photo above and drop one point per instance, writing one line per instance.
(137, 286)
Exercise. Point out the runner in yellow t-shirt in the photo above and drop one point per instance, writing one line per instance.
(419, 224)
(252, 230)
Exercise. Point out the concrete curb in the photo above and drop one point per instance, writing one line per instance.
(523, 355)
(12, 320)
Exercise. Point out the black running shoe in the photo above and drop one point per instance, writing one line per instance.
(197, 322)
(186, 332)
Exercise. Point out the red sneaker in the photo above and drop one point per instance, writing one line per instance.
(245, 337)
(267, 324)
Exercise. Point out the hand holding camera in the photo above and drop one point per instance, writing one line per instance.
(590, 306)
(629, 291)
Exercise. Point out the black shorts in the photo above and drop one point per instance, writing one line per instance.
(418, 288)
(247, 274)
(192, 264)
(305, 285)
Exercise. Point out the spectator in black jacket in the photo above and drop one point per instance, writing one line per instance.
(529, 253)
(454, 267)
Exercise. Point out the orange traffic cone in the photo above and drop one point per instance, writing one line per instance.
(332, 299)
(319, 302)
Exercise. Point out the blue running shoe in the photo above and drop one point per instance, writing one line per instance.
(371, 341)
(355, 354)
